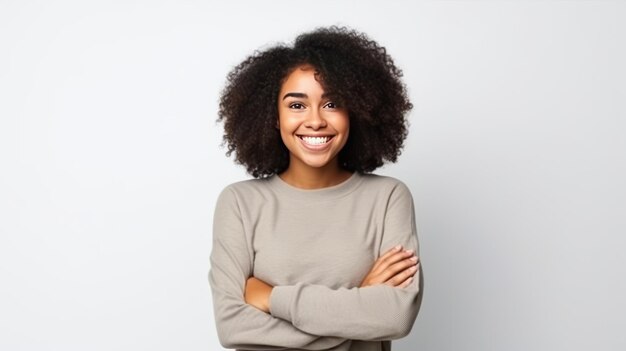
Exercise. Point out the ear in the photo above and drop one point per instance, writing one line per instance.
(277, 124)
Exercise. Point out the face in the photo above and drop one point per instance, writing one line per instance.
(312, 126)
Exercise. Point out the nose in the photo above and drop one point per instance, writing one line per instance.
(315, 120)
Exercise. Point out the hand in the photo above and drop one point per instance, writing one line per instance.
(257, 294)
(395, 268)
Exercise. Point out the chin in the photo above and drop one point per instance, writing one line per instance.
(315, 163)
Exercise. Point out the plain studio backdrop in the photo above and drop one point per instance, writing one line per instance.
(111, 164)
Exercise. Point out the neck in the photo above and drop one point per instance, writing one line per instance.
(314, 178)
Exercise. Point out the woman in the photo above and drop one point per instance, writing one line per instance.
(316, 253)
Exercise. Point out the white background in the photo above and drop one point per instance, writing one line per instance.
(111, 163)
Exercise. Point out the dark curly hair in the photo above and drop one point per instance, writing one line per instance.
(354, 69)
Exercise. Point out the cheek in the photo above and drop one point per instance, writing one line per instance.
(284, 134)
(344, 124)
(286, 128)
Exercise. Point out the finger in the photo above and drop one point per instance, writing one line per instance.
(387, 254)
(390, 252)
(398, 256)
(397, 268)
(405, 283)
(401, 265)
(398, 274)
(390, 277)
(402, 276)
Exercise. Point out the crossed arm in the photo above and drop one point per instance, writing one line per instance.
(395, 268)
(251, 314)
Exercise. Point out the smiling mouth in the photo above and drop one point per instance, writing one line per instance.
(316, 140)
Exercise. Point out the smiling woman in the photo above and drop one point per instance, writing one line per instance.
(317, 253)
(313, 128)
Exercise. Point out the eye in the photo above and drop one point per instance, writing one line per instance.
(296, 105)
(331, 105)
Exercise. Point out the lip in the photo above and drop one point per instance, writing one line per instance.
(315, 135)
(321, 147)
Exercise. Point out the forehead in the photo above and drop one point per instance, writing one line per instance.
(303, 79)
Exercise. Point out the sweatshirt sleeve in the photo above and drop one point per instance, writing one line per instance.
(240, 325)
(378, 312)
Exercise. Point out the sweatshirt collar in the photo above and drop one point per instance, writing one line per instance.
(331, 192)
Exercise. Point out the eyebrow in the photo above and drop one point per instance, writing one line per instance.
(301, 95)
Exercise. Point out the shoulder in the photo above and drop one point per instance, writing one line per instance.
(386, 184)
(386, 191)
(249, 188)
(247, 185)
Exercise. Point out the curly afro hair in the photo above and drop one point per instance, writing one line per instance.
(355, 70)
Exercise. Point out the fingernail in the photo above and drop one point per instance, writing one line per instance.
(398, 247)
(408, 251)
(414, 259)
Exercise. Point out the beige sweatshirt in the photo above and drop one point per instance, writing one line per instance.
(314, 247)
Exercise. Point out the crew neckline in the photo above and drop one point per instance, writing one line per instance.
(330, 192)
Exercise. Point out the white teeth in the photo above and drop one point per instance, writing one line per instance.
(315, 140)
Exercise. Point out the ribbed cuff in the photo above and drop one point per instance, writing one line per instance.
(281, 299)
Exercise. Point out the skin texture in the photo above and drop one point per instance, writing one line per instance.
(303, 109)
